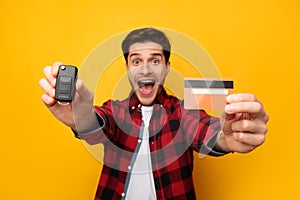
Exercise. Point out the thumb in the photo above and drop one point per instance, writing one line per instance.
(226, 122)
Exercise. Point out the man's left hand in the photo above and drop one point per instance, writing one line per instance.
(244, 124)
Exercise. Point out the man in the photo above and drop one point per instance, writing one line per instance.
(149, 138)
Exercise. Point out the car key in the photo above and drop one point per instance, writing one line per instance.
(66, 84)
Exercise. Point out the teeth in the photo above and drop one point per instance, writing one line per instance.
(145, 82)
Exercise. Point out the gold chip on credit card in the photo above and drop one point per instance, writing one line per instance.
(207, 94)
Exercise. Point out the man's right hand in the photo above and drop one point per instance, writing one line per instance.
(79, 115)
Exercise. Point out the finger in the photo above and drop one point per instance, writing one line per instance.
(266, 118)
(251, 139)
(48, 100)
(241, 97)
(244, 107)
(250, 126)
(48, 74)
(228, 117)
(263, 115)
(45, 85)
(55, 67)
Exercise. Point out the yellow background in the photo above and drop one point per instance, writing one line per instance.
(254, 42)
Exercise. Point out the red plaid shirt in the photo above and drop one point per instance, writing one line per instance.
(174, 134)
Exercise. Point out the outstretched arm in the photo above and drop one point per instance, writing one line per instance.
(79, 115)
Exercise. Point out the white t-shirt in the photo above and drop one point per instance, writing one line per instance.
(141, 184)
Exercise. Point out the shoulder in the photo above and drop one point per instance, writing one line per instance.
(109, 104)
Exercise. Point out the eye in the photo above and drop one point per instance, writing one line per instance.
(136, 62)
(155, 61)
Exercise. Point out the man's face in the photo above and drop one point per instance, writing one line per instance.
(146, 69)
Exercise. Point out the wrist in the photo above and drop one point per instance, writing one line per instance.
(221, 144)
(86, 123)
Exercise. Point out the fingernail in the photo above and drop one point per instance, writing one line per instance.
(228, 108)
(228, 98)
(235, 135)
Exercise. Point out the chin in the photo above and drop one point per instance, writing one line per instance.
(146, 101)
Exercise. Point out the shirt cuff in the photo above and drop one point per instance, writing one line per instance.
(210, 146)
(101, 125)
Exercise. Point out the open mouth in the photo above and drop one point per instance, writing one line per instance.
(146, 87)
(146, 83)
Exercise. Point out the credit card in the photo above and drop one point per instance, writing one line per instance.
(207, 94)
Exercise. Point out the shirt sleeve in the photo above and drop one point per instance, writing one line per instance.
(101, 125)
(105, 130)
(210, 146)
(202, 131)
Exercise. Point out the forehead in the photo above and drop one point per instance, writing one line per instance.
(149, 46)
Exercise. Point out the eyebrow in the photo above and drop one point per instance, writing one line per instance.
(152, 54)
(134, 54)
(157, 54)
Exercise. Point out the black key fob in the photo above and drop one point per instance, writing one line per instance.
(66, 83)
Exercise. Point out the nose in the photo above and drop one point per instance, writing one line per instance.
(146, 69)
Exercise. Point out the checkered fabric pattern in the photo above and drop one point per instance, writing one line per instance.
(174, 134)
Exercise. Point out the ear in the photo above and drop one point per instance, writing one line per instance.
(126, 65)
(168, 67)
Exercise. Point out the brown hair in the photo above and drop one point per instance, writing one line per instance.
(147, 35)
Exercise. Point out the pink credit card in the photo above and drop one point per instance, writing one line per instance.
(207, 94)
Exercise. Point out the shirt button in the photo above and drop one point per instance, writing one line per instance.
(139, 140)
(129, 167)
(152, 142)
(123, 194)
(133, 107)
